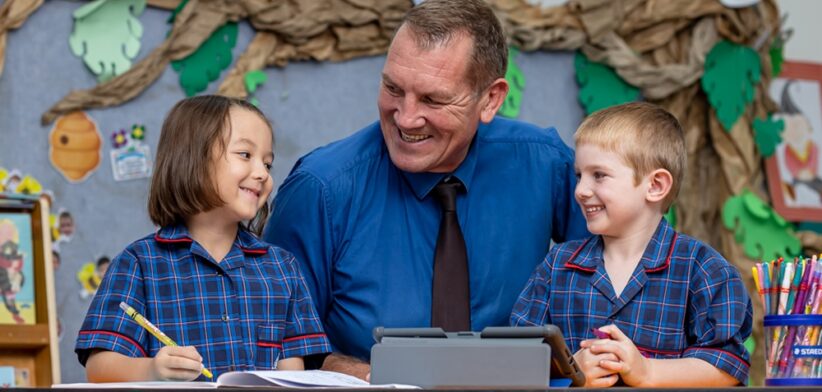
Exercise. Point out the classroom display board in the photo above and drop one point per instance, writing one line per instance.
(99, 207)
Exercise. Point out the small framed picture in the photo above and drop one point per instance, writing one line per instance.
(794, 171)
(16, 269)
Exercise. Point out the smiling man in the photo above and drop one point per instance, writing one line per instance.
(362, 214)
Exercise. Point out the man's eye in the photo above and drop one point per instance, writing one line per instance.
(244, 154)
(431, 101)
(393, 90)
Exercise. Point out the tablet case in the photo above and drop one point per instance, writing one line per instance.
(496, 357)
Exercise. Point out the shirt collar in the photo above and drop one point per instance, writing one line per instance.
(178, 234)
(657, 255)
(423, 183)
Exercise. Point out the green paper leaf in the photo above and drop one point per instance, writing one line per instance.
(599, 86)
(777, 58)
(768, 134)
(764, 234)
(670, 216)
(253, 79)
(750, 344)
(755, 206)
(107, 35)
(516, 81)
(205, 64)
(176, 11)
(731, 72)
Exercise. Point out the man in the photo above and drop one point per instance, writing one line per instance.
(360, 214)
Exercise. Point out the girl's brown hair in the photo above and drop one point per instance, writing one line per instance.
(182, 184)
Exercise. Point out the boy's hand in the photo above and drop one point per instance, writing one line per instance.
(596, 375)
(631, 365)
(176, 364)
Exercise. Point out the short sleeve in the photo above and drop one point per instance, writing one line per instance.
(106, 326)
(304, 334)
(721, 320)
(531, 308)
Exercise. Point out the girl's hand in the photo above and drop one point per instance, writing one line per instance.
(596, 375)
(176, 364)
(630, 364)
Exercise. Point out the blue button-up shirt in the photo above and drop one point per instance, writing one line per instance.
(684, 300)
(364, 232)
(243, 313)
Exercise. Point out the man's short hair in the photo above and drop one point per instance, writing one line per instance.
(436, 22)
(646, 136)
(182, 184)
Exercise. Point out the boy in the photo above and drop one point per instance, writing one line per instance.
(669, 310)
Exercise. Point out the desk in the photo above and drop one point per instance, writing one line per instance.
(616, 389)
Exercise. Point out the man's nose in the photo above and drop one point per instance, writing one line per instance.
(408, 114)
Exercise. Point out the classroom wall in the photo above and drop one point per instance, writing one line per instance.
(310, 104)
(803, 17)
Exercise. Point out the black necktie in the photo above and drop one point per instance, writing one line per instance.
(451, 301)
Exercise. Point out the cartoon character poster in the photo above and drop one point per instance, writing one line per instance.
(16, 269)
(795, 171)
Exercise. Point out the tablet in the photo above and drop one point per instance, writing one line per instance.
(562, 360)
(563, 364)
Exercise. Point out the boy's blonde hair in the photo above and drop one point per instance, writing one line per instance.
(646, 136)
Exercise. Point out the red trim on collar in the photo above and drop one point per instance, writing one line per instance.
(574, 255)
(117, 335)
(169, 240)
(253, 251)
(668, 259)
(568, 263)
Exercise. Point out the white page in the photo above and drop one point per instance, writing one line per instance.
(141, 385)
(298, 379)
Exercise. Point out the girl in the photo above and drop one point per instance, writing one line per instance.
(230, 301)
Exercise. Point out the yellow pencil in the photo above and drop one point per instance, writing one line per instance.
(152, 329)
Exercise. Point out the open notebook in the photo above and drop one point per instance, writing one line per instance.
(281, 378)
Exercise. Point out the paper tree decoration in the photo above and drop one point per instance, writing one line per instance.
(205, 64)
(516, 82)
(670, 216)
(107, 35)
(731, 72)
(599, 86)
(767, 134)
(252, 80)
(764, 234)
(777, 58)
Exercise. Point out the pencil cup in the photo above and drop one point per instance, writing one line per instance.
(793, 350)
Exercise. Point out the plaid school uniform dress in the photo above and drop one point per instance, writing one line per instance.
(684, 300)
(244, 313)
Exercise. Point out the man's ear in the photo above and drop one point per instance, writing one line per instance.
(492, 99)
(660, 182)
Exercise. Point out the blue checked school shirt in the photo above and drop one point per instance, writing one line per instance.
(684, 300)
(364, 232)
(243, 313)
